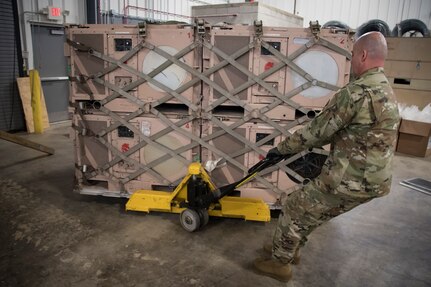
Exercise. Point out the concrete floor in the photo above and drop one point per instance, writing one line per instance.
(51, 236)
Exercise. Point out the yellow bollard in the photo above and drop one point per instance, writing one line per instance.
(36, 104)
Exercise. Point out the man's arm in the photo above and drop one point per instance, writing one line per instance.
(336, 115)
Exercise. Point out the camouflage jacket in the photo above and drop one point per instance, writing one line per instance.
(361, 123)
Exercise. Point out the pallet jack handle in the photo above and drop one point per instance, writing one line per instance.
(252, 172)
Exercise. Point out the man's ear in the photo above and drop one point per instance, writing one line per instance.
(364, 55)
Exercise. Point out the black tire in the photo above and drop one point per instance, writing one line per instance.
(373, 25)
(190, 220)
(411, 26)
(336, 24)
(204, 217)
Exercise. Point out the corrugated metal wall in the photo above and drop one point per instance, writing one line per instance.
(11, 114)
(356, 12)
(162, 10)
(352, 12)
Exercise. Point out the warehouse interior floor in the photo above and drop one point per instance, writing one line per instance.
(51, 236)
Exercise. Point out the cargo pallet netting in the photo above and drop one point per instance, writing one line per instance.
(148, 100)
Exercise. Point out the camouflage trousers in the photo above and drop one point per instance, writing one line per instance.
(303, 211)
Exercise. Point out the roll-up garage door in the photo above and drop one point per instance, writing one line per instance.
(11, 114)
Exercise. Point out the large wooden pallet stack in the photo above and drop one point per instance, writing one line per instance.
(149, 100)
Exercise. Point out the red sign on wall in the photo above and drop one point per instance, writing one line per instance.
(54, 13)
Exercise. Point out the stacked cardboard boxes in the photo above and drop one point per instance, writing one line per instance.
(408, 67)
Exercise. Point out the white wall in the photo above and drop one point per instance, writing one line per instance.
(352, 12)
(286, 5)
(178, 10)
(32, 11)
(74, 10)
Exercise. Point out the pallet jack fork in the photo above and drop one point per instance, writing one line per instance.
(196, 198)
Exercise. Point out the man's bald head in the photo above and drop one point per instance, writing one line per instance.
(369, 51)
(374, 43)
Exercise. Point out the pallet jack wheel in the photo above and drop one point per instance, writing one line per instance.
(204, 217)
(190, 220)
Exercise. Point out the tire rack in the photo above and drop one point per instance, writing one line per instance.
(201, 111)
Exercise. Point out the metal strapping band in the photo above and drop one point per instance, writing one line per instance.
(252, 76)
(211, 83)
(148, 79)
(335, 48)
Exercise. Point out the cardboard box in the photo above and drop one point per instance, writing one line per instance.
(414, 138)
(413, 97)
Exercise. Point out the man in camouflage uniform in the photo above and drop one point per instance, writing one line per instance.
(360, 122)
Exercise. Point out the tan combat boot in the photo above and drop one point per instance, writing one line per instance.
(267, 247)
(273, 268)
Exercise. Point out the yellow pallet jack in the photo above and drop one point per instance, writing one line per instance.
(196, 198)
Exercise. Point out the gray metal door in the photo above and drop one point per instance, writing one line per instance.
(49, 60)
